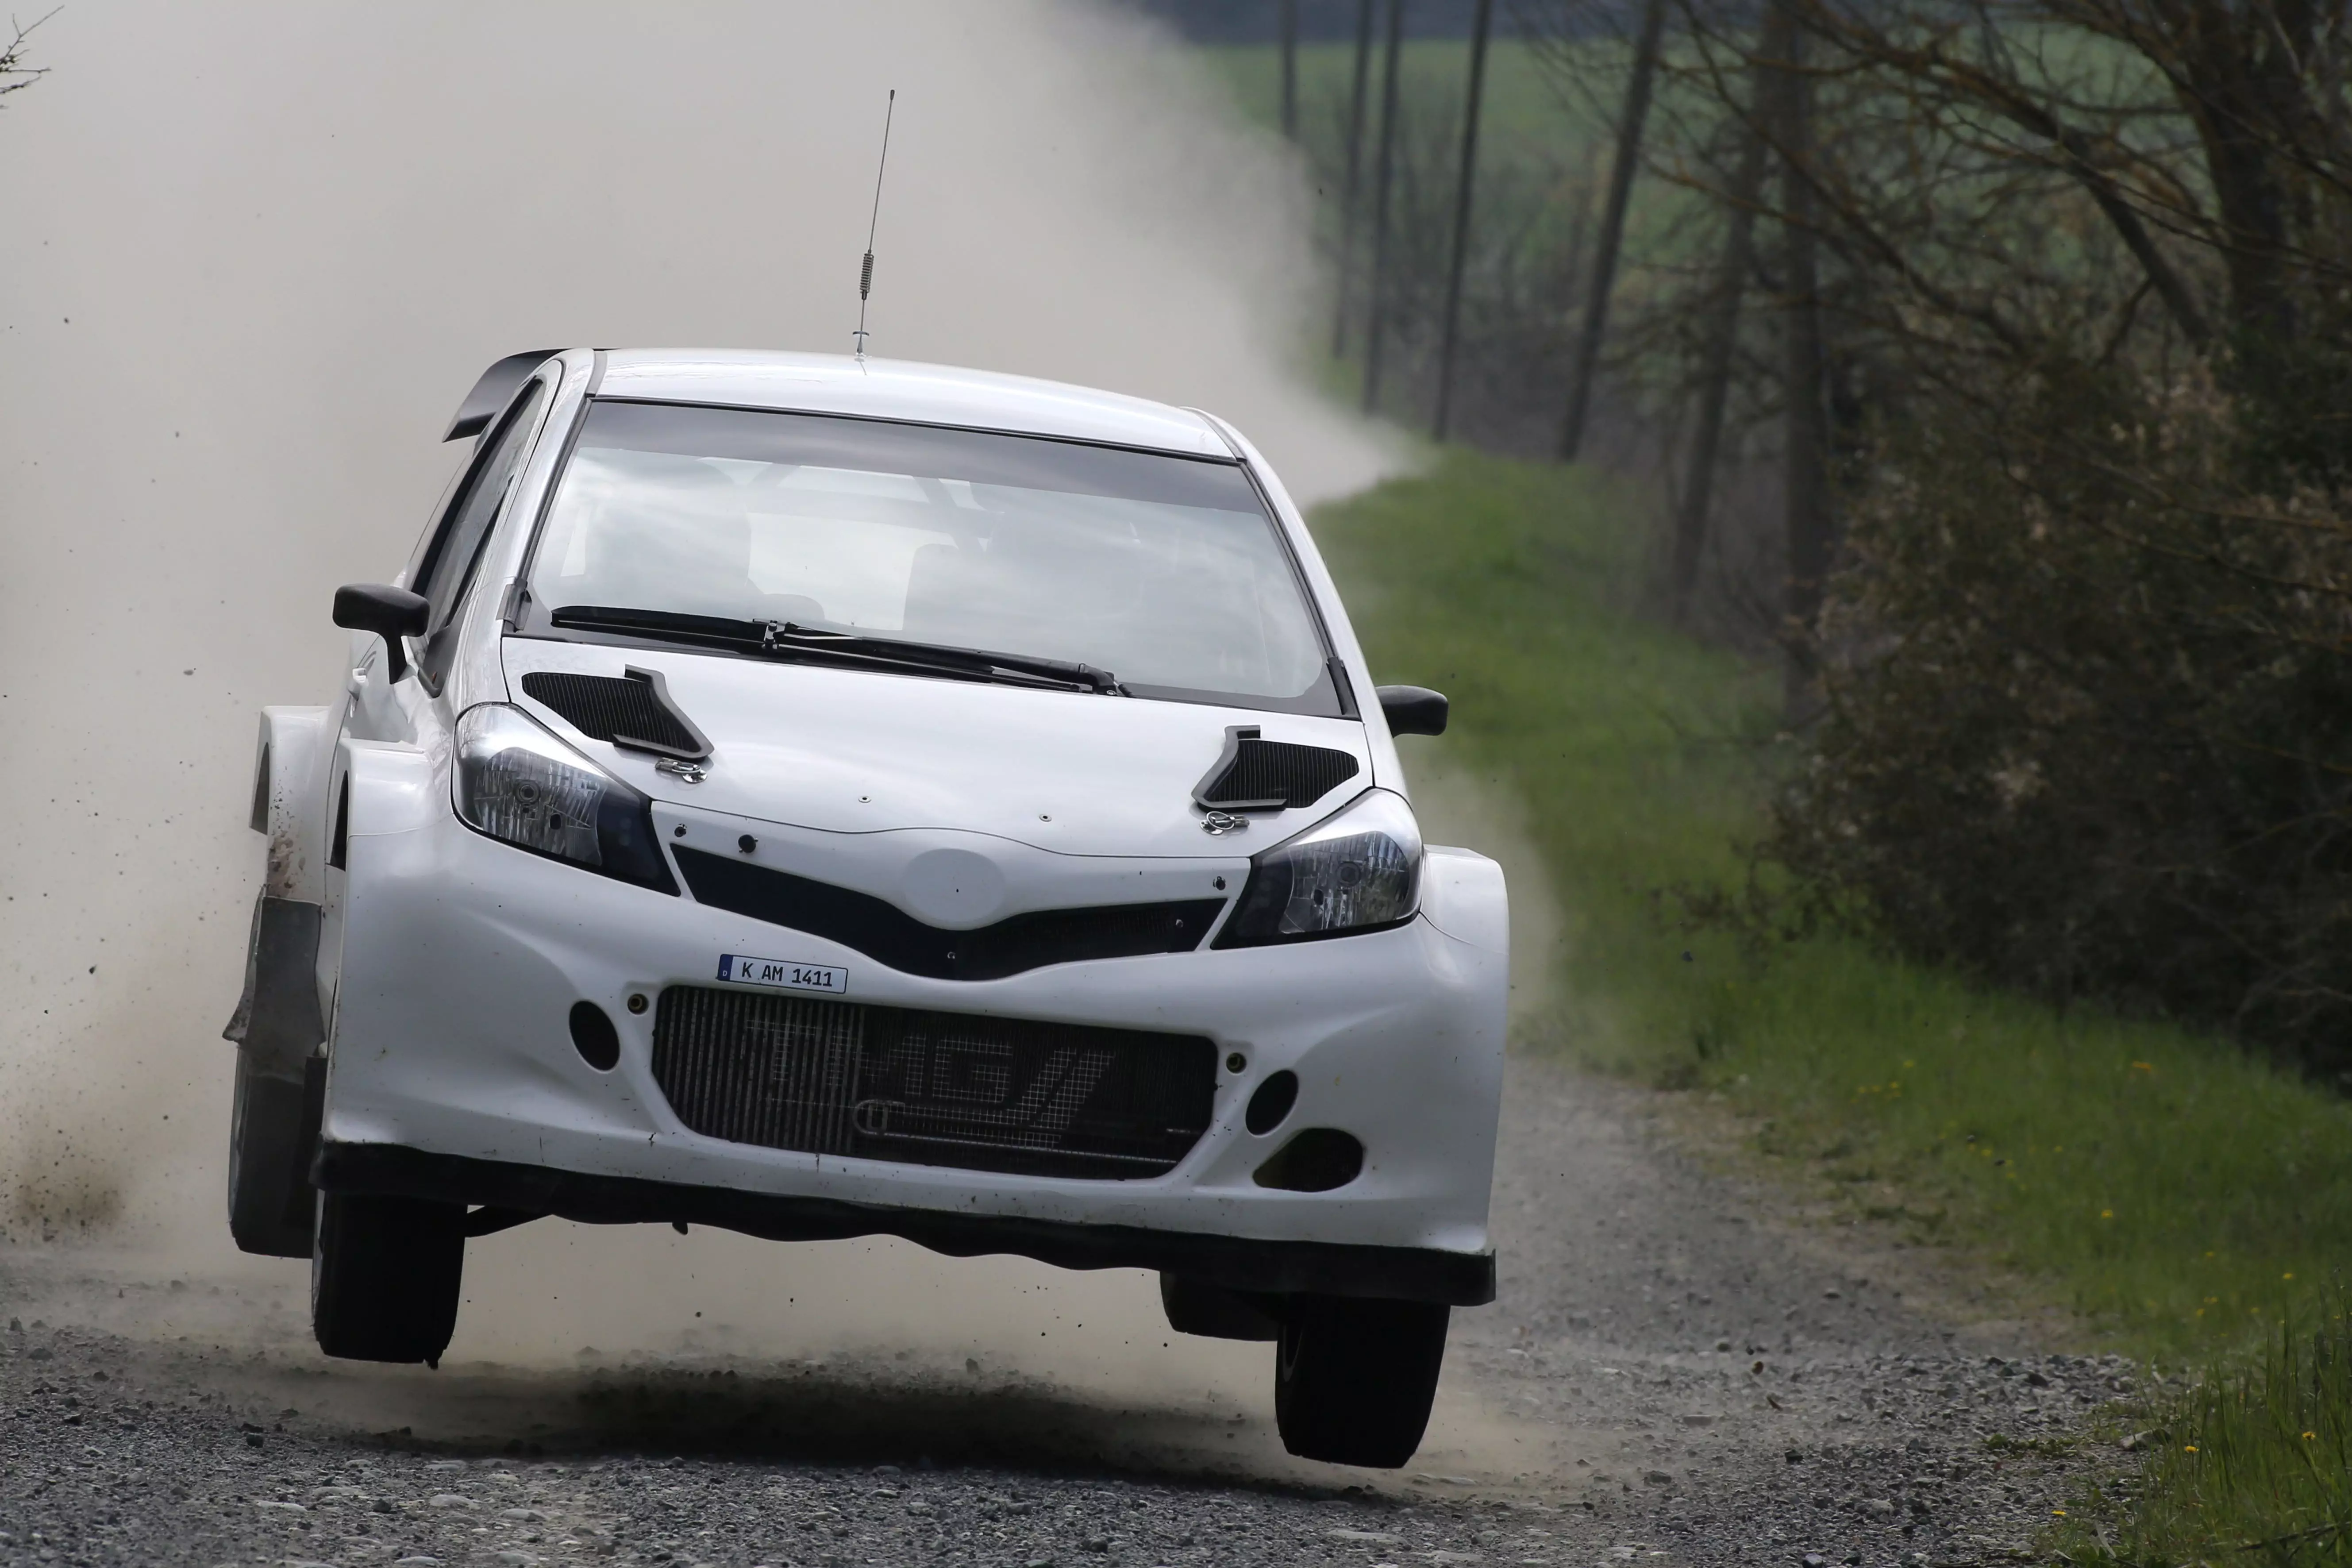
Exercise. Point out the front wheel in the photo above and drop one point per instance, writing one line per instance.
(1354, 1378)
(384, 1275)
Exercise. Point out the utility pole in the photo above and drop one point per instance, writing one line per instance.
(1631, 117)
(1348, 190)
(1290, 69)
(1722, 338)
(1479, 28)
(1385, 167)
(1806, 488)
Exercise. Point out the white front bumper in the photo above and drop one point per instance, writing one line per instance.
(462, 958)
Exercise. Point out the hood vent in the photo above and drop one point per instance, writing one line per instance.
(633, 712)
(1258, 775)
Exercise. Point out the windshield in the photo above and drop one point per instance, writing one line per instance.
(1164, 571)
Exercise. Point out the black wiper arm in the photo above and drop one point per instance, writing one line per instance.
(786, 634)
(671, 625)
(785, 638)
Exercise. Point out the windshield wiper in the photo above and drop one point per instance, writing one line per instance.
(784, 635)
(790, 641)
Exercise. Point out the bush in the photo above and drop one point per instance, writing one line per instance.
(2086, 694)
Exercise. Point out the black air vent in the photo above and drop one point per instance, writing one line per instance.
(931, 1089)
(1257, 775)
(887, 934)
(634, 712)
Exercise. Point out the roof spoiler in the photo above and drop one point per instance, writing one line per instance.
(494, 391)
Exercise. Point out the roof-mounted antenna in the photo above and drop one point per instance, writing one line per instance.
(865, 273)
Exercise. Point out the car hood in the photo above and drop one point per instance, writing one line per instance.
(839, 751)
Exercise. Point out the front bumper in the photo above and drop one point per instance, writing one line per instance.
(454, 1077)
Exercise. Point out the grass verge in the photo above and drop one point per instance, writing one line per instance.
(2177, 1195)
(2252, 1465)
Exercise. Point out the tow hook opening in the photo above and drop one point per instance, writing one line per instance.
(1317, 1160)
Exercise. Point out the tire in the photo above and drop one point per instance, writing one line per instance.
(270, 1131)
(384, 1275)
(1354, 1378)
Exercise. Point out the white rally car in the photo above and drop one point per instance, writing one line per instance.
(824, 797)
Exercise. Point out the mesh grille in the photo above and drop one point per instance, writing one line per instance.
(774, 1071)
(624, 711)
(1264, 774)
(931, 1089)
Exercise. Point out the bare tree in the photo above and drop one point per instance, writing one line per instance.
(15, 74)
(1376, 314)
(1633, 117)
(1720, 338)
(1804, 486)
(1464, 185)
(2058, 351)
(1288, 28)
(1354, 160)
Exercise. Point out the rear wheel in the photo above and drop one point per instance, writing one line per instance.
(1354, 1378)
(384, 1274)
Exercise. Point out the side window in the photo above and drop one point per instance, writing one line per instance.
(449, 561)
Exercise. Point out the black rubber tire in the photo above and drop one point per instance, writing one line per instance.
(384, 1276)
(270, 1197)
(1354, 1378)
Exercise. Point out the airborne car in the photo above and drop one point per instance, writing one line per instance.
(826, 798)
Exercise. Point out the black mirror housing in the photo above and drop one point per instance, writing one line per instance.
(391, 613)
(1412, 710)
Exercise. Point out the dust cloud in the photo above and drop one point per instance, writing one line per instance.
(257, 252)
(254, 255)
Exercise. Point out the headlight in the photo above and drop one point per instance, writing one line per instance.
(1358, 870)
(520, 784)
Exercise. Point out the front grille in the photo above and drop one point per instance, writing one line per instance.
(633, 711)
(888, 935)
(931, 1089)
(1258, 775)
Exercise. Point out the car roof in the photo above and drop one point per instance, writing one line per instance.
(904, 389)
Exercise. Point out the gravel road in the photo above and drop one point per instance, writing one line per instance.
(1671, 1375)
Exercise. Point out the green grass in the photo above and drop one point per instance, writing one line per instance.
(2177, 1195)
(2254, 1464)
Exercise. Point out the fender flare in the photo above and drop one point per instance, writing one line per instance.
(290, 798)
(1462, 894)
(388, 787)
(277, 1024)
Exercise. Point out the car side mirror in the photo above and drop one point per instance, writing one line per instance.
(391, 613)
(1412, 710)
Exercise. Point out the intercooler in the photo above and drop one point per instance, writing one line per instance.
(933, 1088)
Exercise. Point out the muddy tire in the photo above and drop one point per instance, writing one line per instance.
(1354, 1379)
(270, 1203)
(385, 1276)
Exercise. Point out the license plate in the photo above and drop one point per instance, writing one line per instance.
(782, 974)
